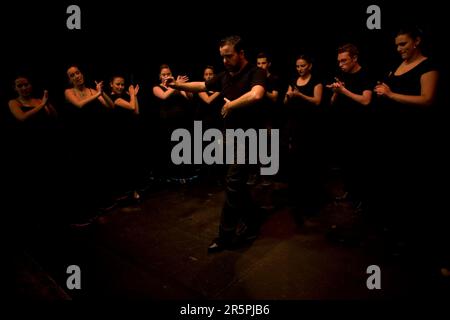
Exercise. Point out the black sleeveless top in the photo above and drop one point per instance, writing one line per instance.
(40, 120)
(408, 83)
(210, 112)
(175, 106)
(298, 105)
(122, 116)
(90, 116)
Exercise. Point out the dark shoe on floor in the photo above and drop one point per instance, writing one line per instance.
(248, 238)
(246, 232)
(252, 180)
(341, 197)
(83, 223)
(217, 245)
(107, 206)
(266, 182)
(249, 235)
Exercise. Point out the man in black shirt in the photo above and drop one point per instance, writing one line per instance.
(270, 109)
(352, 90)
(243, 87)
(264, 62)
(352, 95)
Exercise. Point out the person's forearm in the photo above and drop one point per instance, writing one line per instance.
(420, 101)
(136, 105)
(208, 99)
(247, 99)
(108, 102)
(133, 103)
(333, 98)
(51, 110)
(189, 86)
(312, 100)
(82, 103)
(273, 96)
(22, 116)
(163, 95)
(359, 98)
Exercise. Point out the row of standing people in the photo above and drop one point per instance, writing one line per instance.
(411, 86)
(82, 166)
(386, 138)
(381, 136)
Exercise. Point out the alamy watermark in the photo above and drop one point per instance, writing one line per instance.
(241, 147)
(73, 21)
(374, 280)
(74, 279)
(374, 20)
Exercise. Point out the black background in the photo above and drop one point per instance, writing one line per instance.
(136, 37)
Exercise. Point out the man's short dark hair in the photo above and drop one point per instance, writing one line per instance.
(264, 55)
(235, 41)
(350, 48)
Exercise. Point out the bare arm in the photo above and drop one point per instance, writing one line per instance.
(428, 83)
(188, 86)
(273, 96)
(161, 94)
(14, 107)
(208, 99)
(333, 98)
(78, 101)
(289, 94)
(363, 99)
(136, 110)
(316, 99)
(188, 95)
(133, 103)
(338, 87)
(104, 99)
(125, 104)
(136, 102)
(255, 94)
(51, 111)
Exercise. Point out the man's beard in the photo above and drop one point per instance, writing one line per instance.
(231, 68)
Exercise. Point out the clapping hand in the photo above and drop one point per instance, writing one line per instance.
(382, 89)
(45, 98)
(336, 86)
(182, 79)
(99, 86)
(133, 90)
(226, 108)
(168, 81)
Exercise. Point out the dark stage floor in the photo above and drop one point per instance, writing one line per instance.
(156, 250)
